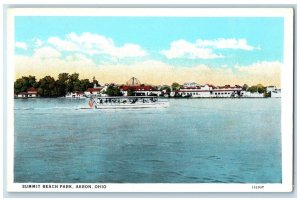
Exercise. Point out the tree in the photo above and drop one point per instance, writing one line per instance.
(85, 84)
(175, 86)
(72, 83)
(22, 84)
(130, 92)
(77, 86)
(48, 87)
(245, 87)
(62, 84)
(166, 88)
(113, 91)
(257, 88)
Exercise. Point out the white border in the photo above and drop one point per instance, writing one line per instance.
(287, 95)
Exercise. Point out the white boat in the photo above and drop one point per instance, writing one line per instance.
(127, 102)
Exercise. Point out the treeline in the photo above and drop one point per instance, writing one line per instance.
(66, 83)
(49, 87)
(256, 88)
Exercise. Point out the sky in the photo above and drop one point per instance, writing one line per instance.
(156, 50)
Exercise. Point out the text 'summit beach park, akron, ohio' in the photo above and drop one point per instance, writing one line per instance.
(150, 100)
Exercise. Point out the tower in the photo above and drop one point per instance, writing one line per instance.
(133, 81)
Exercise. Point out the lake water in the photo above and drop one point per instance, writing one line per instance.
(191, 141)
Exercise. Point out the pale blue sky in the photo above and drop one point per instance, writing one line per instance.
(155, 34)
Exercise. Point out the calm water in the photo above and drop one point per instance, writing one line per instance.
(194, 140)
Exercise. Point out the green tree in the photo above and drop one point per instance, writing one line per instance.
(62, 84)
(72, 83)
(77, 85)
(166, 88)
(257, 88)
(130, 92)
(22, 84)
(48, 87)
(113, 91)
(245, 87)
(175, 86)
(85, 84)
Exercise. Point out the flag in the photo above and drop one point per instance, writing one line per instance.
(91, 103)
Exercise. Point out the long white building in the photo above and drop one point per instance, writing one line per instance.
(208, 91)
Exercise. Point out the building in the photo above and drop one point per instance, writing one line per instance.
(22, 95)
(270, 89)
(248, 94)
(275, 92)
(195, 90)
(94, 91)
(140, 90)
(30, 93)
(228, 91)
(208, 91)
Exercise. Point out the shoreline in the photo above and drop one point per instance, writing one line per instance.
(187, 98)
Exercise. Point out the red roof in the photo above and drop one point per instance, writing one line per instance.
(228, 87)
(138, 88)
(211, 85)
(32, 89)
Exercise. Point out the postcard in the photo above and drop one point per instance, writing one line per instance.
(149, 99)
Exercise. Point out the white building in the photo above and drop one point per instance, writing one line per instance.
(22, 95)
(270, 89)
(276, 94)
(143, 90)
(228, 91)
(94, 91)
(32, 92)
(210, 91)
(253, 95)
